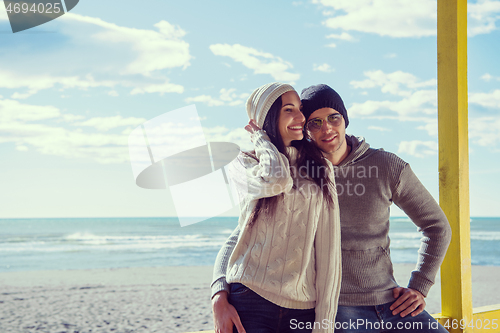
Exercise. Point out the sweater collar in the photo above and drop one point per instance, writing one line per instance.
(359, 147)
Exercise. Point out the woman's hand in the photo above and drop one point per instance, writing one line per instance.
(252, 126)
(225, 315)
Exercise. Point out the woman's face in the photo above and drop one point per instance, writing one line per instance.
(291, 120)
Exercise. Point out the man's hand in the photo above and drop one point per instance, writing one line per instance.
(225, 315)
(407, 301)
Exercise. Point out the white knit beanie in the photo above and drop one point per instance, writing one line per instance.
(262, 98)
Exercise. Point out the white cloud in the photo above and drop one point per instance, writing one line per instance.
(415, 104)
(161, 88)
(82, 142)
(431, 128)
(342, 36)
(394, 18)
(377, 128)
(484, 131)
(58, 141)
(227, 97)
(107, 123)
(488, 77)
(209, 100)
(260, 62)
(17, 125)
(35, 83)
(403, 18)
(145, 52)
(482, 17)
(238, 136)
(419, 102)
(11, 110)
(155, 50)
(390, 55)
(72, 117)
(323, 68)
(50, 138)
(3, 14)
(418, 148)
(392, 82)
(331, 45)
(489, 100)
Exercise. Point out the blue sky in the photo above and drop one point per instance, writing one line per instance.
(72, 90)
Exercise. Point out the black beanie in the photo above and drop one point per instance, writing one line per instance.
(322, 96)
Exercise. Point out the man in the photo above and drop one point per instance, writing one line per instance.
(368, 181)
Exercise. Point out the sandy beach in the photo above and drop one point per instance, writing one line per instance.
(164, 299)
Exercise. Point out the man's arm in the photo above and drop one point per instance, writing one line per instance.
(414, 199)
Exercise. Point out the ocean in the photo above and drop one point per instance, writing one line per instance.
(86, 243)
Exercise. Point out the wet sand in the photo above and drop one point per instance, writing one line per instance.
(163, 299)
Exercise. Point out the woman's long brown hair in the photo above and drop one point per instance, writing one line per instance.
(309, 157)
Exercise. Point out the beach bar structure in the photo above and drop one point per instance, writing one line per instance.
(457, 314)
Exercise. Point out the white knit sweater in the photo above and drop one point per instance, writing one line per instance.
(292, 258)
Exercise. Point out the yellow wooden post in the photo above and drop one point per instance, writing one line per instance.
(456, 295)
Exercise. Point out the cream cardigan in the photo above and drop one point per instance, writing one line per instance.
(292, 258)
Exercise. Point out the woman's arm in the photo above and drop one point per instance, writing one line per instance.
(225, 315)
(266, 175)
(219, 276)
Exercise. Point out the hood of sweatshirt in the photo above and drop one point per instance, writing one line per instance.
(360, 150)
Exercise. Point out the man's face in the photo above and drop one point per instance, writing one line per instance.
(329, 138)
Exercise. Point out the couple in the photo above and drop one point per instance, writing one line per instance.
(285, 268)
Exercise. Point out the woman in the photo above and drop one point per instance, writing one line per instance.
(284, 271)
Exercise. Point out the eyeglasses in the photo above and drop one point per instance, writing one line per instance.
(314, 125)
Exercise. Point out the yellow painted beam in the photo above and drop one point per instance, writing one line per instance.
(440, 318)
(456, 295)
(487, 319)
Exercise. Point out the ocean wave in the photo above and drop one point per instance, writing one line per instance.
(399, 219)
(82, 241)
(404, 244)
(405, 235)
(89, 238)
(226, 231)
(485, 235)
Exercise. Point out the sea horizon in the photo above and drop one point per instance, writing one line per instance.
(36, 244)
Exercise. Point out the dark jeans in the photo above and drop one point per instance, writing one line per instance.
(379, 318)
(259, 315)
